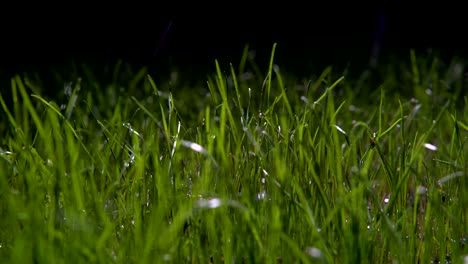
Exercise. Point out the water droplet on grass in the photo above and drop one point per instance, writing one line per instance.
(340, 129)
(129, 126)
(430, 146)
(314, 252)
(261, 195)
(463, 241)
(194, 146)
(209, 203)
(2, 152)
(130, 161)
(386, 200)
(421, 190)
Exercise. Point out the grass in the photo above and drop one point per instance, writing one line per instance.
(250, 167)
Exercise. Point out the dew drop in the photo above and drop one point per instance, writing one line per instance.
(209, 203)
(314, 252)
(430, 146)
(261, 195)
(421, 190)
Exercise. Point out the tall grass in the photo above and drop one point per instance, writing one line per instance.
(248, 168)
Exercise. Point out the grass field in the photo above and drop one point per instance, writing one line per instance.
(253, 166)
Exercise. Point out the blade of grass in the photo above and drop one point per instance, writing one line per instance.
(270, 73)
(31, 110)
(66, 122)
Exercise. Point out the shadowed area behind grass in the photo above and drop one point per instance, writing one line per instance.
(250, 165)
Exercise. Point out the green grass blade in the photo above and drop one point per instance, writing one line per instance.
(54, 109)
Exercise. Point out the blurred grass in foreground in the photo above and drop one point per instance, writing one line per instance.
(253, 166)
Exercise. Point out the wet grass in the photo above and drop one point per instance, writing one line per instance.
(251, 167)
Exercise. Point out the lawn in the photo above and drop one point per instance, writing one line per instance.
(250, 165)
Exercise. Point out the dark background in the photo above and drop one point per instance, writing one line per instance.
(309, 36)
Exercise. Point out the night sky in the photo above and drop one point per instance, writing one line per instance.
(309, 37)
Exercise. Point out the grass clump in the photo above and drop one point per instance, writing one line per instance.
(247, 168)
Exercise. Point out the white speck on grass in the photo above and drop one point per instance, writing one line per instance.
(129, 126)
(430, 147)
(193, 146)
(209, 203)
(314, 252)
(421, 190)
(261, 195)
(340, 129)
(386, 200)
(2, 152)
